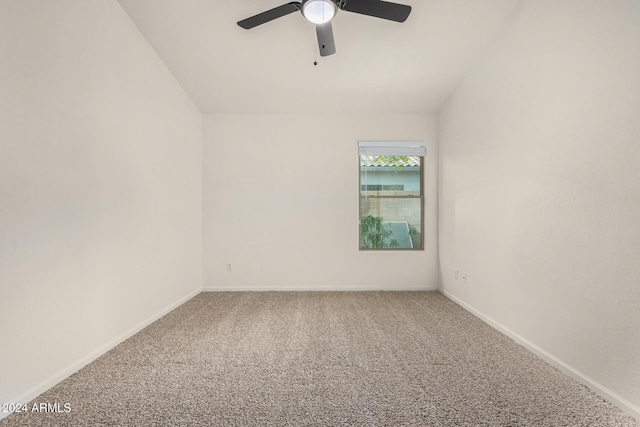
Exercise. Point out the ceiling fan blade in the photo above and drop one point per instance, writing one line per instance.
(377, 8)
(325, 39)
(269, 15)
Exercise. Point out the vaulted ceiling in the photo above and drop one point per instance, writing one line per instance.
(380, 66)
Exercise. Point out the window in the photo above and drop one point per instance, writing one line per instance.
(391, 195)
(373, 187)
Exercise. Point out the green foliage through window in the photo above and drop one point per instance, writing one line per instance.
(393, 160)
(376, 234)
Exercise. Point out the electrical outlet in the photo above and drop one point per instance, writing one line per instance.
(463, 276)
(228, 266)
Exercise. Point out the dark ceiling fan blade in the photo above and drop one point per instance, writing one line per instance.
(379, 9)
(269, 15)
(325, 39)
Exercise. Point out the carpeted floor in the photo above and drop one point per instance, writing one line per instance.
(321, 358)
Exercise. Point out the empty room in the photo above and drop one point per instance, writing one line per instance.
(324, 212)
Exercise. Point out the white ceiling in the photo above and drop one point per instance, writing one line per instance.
(379, 66)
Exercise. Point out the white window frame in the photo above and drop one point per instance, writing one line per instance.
(393, 148)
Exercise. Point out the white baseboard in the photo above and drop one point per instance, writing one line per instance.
(315, 288)
(75, 367)
(598, 388)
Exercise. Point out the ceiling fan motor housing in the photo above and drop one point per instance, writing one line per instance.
(319, 11)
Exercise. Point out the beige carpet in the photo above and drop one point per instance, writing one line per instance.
(321, 358)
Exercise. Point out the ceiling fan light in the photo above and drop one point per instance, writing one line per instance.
(319, 11)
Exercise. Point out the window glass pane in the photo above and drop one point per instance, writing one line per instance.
(390, 222)
(390, 175)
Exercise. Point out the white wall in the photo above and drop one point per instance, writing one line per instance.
(100, 188)
(281, 203)
(540, 189)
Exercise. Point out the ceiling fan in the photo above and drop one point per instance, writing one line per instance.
(321, 12)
